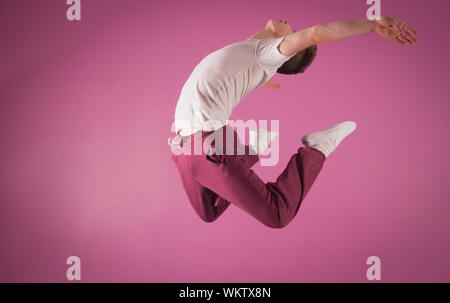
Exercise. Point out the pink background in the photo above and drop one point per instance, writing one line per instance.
(86, 109)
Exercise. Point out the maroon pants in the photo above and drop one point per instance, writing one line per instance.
(212, 181)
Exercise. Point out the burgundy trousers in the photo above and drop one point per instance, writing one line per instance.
(213, 180)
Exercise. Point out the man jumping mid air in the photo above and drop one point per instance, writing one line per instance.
(213, 180)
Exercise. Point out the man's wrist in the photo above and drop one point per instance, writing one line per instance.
(373, 25)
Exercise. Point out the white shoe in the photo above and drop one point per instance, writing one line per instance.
(260, 139)
(327, 140)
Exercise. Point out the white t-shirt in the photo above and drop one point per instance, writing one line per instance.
(222, 79)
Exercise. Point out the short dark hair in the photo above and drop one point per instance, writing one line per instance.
(299, 62)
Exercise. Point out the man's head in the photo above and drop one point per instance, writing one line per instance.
(300, 61)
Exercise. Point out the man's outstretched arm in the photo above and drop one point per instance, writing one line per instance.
(389, 28)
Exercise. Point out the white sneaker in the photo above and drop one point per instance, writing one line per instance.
(260, 139)
(327, 140)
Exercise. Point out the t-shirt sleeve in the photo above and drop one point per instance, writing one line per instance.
(268, 55)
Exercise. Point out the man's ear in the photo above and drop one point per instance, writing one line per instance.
(272, 84)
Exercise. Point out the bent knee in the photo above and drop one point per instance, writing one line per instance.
(277, 224)
(208, 219)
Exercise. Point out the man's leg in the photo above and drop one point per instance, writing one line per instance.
(207, 204)
(274, 204)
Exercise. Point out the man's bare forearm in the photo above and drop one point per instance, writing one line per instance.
(388, 28)
(339, 30)
(333, 31)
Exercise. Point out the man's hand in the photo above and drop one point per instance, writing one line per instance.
(396, 30)
(272, 84)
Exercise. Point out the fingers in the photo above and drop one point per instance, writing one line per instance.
(409, 38)
(401, 40)
(413, 34)
(407, 32)
(404, 40)
(397, 37)
(397, 31)
(412, 39)
(405, 36)
(410, 30)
